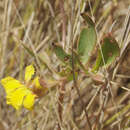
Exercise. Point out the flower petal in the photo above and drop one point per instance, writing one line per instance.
(29, 101)
(16, 97)
(36, 83)
(10, 84)
(29, 72)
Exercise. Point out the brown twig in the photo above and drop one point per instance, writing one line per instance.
(78, 92)
(61, 98)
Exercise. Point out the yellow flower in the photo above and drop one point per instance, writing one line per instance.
(18, 94)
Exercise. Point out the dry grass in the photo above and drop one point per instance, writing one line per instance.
(37, 24)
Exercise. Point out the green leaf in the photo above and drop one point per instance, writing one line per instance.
(64, 57)
(86, 44)
(60, 53)
(108, 53)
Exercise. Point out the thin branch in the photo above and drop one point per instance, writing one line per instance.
(78, 92)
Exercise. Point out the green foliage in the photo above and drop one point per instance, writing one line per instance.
(63, 56)
(109, 51)
(60, 53)
(87, 40)
(67, 60)
(86, 44)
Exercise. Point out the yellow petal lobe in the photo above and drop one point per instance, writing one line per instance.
(16, 97)
(29, 72)
(36, 83)
(10, 84)
(28, 102)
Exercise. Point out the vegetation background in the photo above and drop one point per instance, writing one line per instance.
(30, 27)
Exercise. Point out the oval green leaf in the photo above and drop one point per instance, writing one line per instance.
(86, 44)
(108, 53)
(60, 53)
